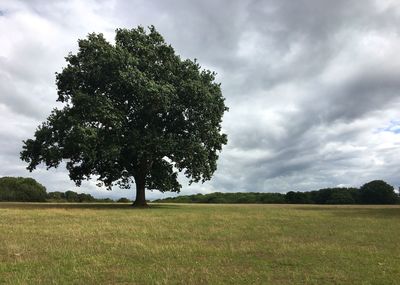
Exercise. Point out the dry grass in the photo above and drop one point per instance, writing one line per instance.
(198, 244)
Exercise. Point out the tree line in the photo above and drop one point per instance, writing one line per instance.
(374, 192)
(19, 189)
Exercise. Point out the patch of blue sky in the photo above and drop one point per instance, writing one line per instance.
(393, 127)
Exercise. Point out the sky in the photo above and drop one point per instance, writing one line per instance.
(313, 86)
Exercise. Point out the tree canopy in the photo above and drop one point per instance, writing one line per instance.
(377, 192)
(20, 189)
(133, 111)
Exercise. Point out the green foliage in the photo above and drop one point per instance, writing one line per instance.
(70, 196)
(229, 198)
(83, 197)
(105, 200)
(133, 111)
(297, 198)
(124, 200)
(21, 189)
(343, 196)
(334, 196)
(375, 192)
(56, 196)
(378, 192)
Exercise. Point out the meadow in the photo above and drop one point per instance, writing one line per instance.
(44, 243)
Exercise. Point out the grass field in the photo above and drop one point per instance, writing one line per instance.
(198, 244)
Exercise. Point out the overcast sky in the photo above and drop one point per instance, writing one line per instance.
(313, 86)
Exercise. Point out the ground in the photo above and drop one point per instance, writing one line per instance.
(198, 244)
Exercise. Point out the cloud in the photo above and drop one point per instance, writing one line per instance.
(312, 86)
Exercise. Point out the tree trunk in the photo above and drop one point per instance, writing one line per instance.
(140, 201)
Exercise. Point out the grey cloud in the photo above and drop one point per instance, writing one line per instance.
(372, 91)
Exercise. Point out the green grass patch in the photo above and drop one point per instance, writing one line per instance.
(198, 244)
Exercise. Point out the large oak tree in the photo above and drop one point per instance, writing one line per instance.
(133, 111)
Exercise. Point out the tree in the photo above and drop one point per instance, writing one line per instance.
(19, 189)
(83, 197)
(378, 192)
(133, 111)
(56, 196)
(71, 196)
(334, 196)
(292, 197)
(342, 196)
(123, 200)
